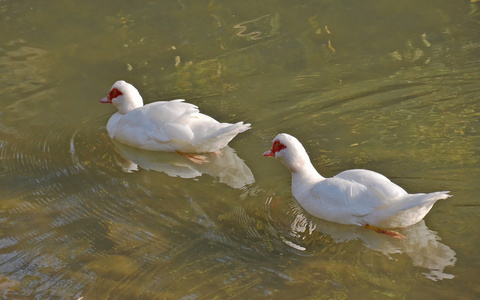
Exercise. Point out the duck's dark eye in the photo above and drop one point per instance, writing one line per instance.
(114, 93)
(277, 146)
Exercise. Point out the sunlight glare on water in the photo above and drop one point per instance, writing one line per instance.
(392, 87)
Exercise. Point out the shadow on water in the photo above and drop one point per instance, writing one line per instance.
(225, 165)
(420, 244)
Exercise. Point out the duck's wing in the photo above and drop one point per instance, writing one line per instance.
(375, 182)
(341, 197)
(159, 121)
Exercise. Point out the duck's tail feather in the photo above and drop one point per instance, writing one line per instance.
(421, 198)
(224, 135)
(412, 209)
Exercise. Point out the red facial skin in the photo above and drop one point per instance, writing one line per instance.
(114, 93)
(277, 146)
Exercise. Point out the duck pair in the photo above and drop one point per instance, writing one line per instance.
(355, 197)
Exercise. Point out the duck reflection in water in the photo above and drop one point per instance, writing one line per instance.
(421, 244)
(223, 164)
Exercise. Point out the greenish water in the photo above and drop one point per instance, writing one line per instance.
(383, 85)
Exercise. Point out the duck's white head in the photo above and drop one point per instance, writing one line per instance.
(289, 151)
(124, 97)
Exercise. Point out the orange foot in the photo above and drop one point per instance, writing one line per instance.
(217, 153)
(393, 234)
(196, 158)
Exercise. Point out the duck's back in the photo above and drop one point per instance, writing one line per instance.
(378, 184)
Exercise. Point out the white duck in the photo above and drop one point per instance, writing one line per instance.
(165, 125)
(356, 197)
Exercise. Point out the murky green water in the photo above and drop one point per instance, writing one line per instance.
(384, 85)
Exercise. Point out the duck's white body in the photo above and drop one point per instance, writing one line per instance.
(165, 125)
(357, 197)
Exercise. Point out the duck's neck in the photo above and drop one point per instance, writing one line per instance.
(131, 101)
(304, 176)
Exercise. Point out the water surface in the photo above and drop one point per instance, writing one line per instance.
(388, 86)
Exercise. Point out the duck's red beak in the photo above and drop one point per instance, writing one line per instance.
(106, 100)
(269, 153)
